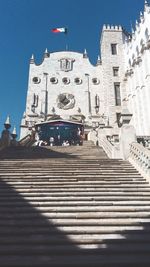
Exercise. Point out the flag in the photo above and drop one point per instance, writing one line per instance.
(57, 30)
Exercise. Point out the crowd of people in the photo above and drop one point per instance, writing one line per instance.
(58, 141)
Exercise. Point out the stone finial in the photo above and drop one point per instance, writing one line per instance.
(14, 136)
(79, 110)
(24, 114)
(85, 55)
(32, 59)
(132, 30)
(14, 130)
(46, 53)
(136, 23)
(7, 120)
(141, 14)
(7, 123)
(146, 6)
(141, 17)
(53, 110)
(98, 61)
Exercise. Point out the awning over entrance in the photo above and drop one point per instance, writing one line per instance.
(58, 131)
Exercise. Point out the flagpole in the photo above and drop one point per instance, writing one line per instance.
(62, 30)
(66, 33)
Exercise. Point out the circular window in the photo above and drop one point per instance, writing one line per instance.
(53, 80)
(95, 81)
(36, 80)
(77, 80)
(65, 80)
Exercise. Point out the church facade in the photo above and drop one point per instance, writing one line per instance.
(66, 86)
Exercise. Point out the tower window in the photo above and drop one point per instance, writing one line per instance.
(114, 49)
(117, 94)
(115, 71)
(118, 119)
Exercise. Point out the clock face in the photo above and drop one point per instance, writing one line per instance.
(65, 101)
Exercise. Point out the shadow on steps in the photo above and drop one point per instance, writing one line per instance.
(31, 153)
(29, 237)
(85, 151)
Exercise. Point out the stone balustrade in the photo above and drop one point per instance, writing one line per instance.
(111, 148)
(140, 158)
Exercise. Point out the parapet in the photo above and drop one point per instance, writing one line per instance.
(109, 27)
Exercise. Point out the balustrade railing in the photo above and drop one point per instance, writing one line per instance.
(140, 158)
(112, 149)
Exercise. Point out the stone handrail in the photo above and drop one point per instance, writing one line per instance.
(107, 146)
(140, 158)
(25, 140)
(112, 150)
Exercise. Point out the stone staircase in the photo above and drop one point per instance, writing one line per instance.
(72, 207)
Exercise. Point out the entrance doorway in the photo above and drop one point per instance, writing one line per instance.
(60, 131)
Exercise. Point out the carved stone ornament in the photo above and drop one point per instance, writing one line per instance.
(65, 101)
(66, 64)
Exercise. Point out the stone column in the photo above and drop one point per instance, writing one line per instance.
(147, 88)
(135, 115)
(14, 136)
(88, 94)
(127, 134)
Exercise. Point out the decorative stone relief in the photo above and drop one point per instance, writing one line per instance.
(65, 101)
(66, 64)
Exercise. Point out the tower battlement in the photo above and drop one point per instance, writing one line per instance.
(109, 27)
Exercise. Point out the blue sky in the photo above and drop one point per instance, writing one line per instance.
(25, 28)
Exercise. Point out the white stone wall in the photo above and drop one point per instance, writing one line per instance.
(137, 73)
(133, 61)
(84, 93)
(112, 35)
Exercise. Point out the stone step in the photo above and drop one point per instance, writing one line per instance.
(73, 222)
(75, 199)
(72, 209)
(58, 239)
(84, 260)
(80, 203)
(78, 191)
(44, 207)
(80, 182)
(49, 230)
(67, 172)
(73, 248)
(79, 195)
(24, 212)
(24, 187)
